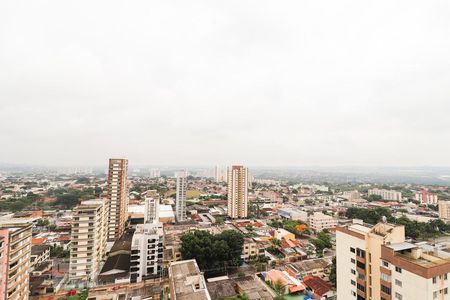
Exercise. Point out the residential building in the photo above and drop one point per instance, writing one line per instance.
(220, 174)
(444, 210)
(376, 263)
(352, 195)
(155, 173)
(186, 281)
(39, 255)
(293, 214)
(390, 195)
(15, 240)
(89, 236)
(117, 197)
(180, 201)
(316, 267)
(151, 213)
(147, 249)
(237, 192)
(426, 197)
(320, 221)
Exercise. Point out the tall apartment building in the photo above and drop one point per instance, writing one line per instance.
(155, 173)
(88, 240)
(444, 210)
(426, 197)
(376, 263)
(220, 174)
(390, 195)
(180, 201)
(147, 245)
(15, 254)
(117, 197)
(237, 192)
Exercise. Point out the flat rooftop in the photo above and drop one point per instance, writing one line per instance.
(187, 280)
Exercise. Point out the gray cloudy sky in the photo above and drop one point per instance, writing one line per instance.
(288, 83)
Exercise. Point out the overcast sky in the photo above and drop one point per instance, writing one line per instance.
(271, 83)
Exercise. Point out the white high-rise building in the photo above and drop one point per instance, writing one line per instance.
(147, 246)
(220, 174)
(88, 240)
(237, 192)
(180, 201)
(147, 249)
(151, 210)
(155, 173)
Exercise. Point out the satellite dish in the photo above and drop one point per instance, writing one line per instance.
(384, 219)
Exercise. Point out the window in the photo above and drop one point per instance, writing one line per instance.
(352, 282)
(352, 250)
(398, 269)
(445, 276)
(434, 280)
(361, 287)
(385, 289)
(361, 265)
(398, 296)
(352, 260)
(353, 293)
(353, 271)
(446, 291)
(398, 282)
(385, 277)
(361, 253)
(385, 264)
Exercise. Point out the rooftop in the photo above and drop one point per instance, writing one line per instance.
(187, 280)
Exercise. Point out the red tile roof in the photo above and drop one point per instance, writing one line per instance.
(317, 284)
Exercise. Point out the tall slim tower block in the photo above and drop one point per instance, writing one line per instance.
(180, 202)
(117, 197)
(151, 213)
(237, 192)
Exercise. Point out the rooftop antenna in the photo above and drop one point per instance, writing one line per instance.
(384, 219)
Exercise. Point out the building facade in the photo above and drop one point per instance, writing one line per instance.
(426, 197)
(117, 197)
(376, 263)
(444, 210)
(319, 221)
(390, 195)
(89, 237)
(151, 213)
(180, 201)
(147, 250)
(237, 192)
(15, 240)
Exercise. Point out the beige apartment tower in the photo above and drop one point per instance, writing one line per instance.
(237, 192)
(117, 197)
(376, 263)
(15, 255)
(88, 240)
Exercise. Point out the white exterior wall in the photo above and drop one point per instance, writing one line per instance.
(344, 264)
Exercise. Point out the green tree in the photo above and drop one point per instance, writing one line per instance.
(333, 272)
(212, 251)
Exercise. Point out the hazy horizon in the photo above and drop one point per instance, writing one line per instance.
(272, 84)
